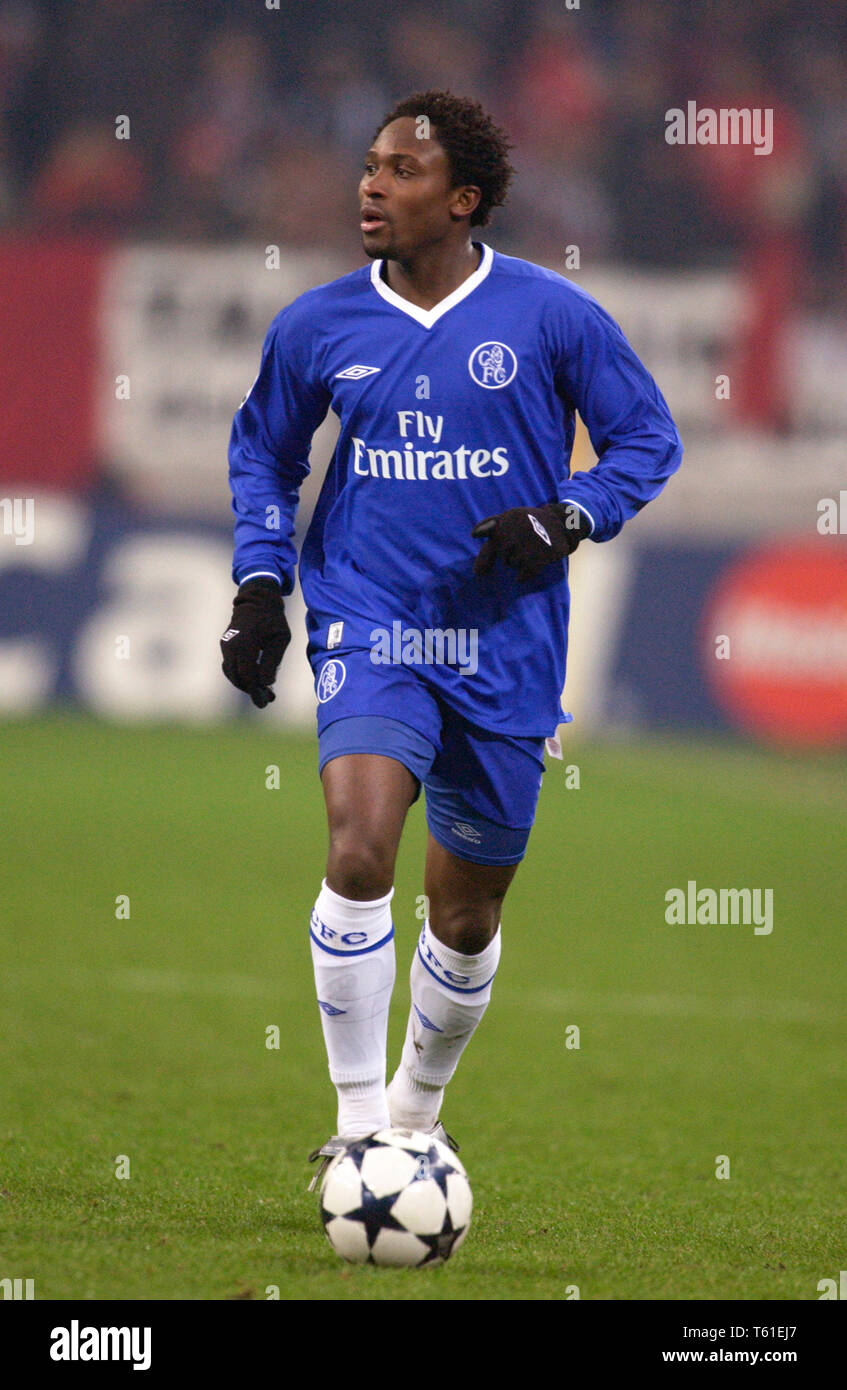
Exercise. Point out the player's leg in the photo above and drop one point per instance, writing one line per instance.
(478, 784)
(352, 934)
(371, 765)
(464, 898)
(367, 796)
(451, 979)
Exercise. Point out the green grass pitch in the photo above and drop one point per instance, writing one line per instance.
(592, 1167)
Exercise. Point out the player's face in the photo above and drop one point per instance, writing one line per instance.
(406, 195)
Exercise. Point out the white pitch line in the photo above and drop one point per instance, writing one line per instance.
(803, 790)
(172, 982)
(144, 981)
(683, 1006)
(175, 982)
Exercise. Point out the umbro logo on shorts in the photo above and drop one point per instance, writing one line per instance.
(355, 373)
(466, 832)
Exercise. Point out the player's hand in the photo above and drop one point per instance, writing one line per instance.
(530, 538)
(255, 641)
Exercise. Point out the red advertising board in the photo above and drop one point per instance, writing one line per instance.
(49, 331)
(775, 641)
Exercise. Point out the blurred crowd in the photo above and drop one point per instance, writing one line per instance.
(250, 121)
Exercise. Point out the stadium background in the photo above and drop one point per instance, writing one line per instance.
(137, 278)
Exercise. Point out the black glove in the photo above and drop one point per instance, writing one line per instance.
(530, 538)
(255, 641)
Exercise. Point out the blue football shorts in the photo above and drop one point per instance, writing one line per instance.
(481, 787)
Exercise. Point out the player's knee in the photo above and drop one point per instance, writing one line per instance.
(360, 867)
(465, 927)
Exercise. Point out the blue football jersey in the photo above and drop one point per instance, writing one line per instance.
(447, 416)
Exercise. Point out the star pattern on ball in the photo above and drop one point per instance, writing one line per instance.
(429, 1219)
(441, 1246)
(375, 1214)
(436, 1170)
(357, 1151)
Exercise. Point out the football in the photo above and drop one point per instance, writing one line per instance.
(398, 1197)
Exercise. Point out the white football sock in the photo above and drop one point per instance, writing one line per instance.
(450, 993)
(353, 956)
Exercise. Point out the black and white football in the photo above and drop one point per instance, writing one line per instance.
(398, 1197)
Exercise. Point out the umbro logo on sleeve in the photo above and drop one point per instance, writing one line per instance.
(354, 373)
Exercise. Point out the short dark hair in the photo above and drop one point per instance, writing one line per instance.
(477, 150)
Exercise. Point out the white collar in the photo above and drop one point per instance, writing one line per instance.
(427, 317)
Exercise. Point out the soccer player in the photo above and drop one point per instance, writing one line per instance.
(434, 573)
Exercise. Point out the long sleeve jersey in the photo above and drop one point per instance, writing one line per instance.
(447, 416)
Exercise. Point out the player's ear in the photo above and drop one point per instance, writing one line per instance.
(465, 200)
